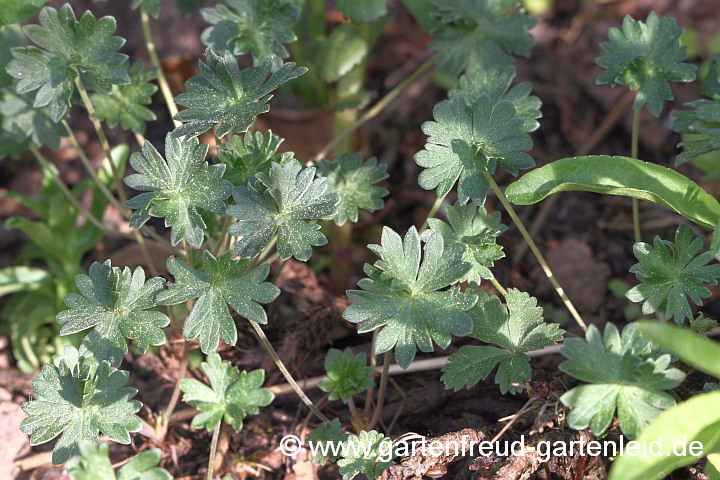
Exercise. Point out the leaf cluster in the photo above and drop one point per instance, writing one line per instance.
(516, 328)
(249, 154)
(347, 374)
(646, 56)
(670, 273)
(218, 283)
(78, 398)
(258, 27)
(627, 382)
(362, 455)
(93, 463)
(403, 295)
(117, 305)
(480, 34)
(281, 203)
(231, 397)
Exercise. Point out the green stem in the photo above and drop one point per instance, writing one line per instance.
(317, 19)
(101, 136)
(264, 253)
(162, 80)
(90, 169)
(213, 451)
(498, 287)
(381, 390)
(634, 154)
(55, 175)
(433, 211)
(377, 108)
(281, 366)
(534, 249)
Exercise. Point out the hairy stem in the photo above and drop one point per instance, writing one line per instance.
(634, 154)
(375, 110)
(90, 169)
(373, 364)
(162, 80)
(258, 260)
(281, 366)
(381, 390)
(175, 393)
(498, 287)
(101, 136)
(213, 451)
(47, 165)
(534, 249)
(433, 211)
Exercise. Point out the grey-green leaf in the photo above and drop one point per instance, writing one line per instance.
(633, 386)
(466, 140)
(246, 155)
(125, 105)
(177, 188)
(258, 27)
(227, 98)
(66, 48)
(231, 397)
(669, 273)
(220, 282)
(79, 399)
(281, 203)
(355, 182)
(403, 295)
(117, 305)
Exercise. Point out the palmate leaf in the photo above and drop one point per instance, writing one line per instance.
(219, 283)
(231, 397)
(21, 121)
(344, 49)
(495, 82)
(126, 103)
(700, 126)
(670, 273)
(354, 181)
(67, 48)
(619, 379)
(327, 433)
(516, 328)
(646, 56)
(117, 305)
(80, 399)
(403, 296)
(93, 463)
(347, 374)
(227, 98)
(176, 189)
(280, 203)
(246, 155)
(477, 231)
(466, 140)
(365, 454)
(259, 27)
(480, 34)
(363, 12)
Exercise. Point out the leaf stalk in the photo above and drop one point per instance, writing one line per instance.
(534, 249)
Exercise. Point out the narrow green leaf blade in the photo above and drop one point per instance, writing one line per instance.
(697, 419)
(622, 176)
(692, 348)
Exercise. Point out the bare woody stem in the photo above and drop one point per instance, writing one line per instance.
(281, 366)
(162, 80)
(213, 451)
(534, 249)
(634, 154)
